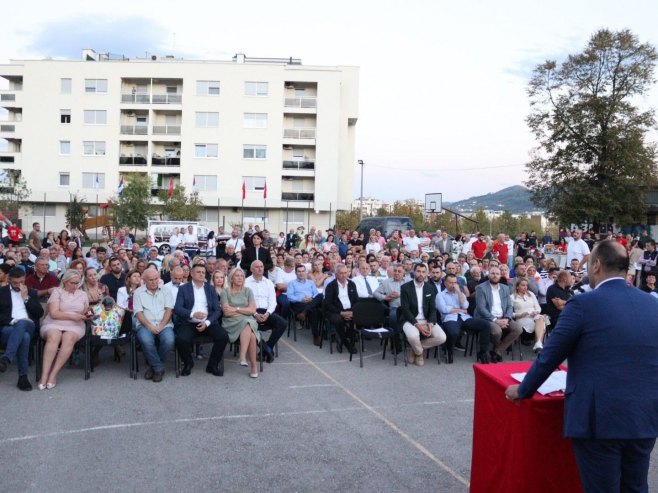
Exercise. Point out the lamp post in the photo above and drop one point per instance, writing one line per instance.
(360, 161)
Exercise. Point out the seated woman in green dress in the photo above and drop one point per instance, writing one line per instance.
(238, 308)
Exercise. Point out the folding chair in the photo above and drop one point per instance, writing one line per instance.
(369, 317)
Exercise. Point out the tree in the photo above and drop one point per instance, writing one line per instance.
(180, 207)
(13, 191)
(75, 215)
(133, 207)
(347, 220)
(408, 208)
(592, 156)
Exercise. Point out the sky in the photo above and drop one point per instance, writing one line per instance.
(442, 86)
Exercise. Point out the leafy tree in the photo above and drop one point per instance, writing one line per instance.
(347, 220)
(506, 223)
(180, 207)
(592, 155)
(13, 192)
(409, 209)
(75, 215)
(133, 207)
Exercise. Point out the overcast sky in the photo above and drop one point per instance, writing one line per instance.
(442, 84)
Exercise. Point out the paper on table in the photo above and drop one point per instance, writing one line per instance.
(556, 381)
(376, 331)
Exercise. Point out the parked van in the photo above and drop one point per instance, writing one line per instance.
(385, 224)
(159, 233)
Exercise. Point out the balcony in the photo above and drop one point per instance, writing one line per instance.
(299, 133)
(10, 158)
(297, 196)
(138, 98)
(167, 99)
(134, 129)
(9, 99)
(300, 102)
(166, 130)
(132, 160)
(299, 165)
(8, 129)
(165, 161)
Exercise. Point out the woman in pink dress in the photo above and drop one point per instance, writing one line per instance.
(63, 326)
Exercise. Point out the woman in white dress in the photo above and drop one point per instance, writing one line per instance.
(528, 313)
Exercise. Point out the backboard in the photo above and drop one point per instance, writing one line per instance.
(433, 202)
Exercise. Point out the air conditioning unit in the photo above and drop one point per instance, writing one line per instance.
(290, 86)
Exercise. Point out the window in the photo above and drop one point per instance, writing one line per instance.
(95, 117)
(65, 147)
(96, 85)
(64, 179)
(206, 183)
(256, 88)
(207, 88)
(93, 180)
(64, 116)
(93, 148)
(209, 215)
(37, 210)
(254, 216)
(254, 183)
(295, 217)
(207, 119)
(255, 120)
(172, 89)
(206, 150)
(66, 86)
(250, 151)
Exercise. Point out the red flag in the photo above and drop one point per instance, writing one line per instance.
(170, 192)
(265, 191)
(244, 190)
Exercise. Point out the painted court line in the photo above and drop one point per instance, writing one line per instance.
(383, 418)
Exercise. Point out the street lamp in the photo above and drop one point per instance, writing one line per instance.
(360, 161)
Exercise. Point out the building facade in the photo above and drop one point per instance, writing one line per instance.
(283, 130)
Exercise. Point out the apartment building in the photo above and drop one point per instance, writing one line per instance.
(284, 130)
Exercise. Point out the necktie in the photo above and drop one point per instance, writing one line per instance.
(368, 286)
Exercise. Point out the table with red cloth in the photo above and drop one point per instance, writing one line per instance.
(518, 447)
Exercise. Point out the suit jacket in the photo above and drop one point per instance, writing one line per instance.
(33, 307)
(484, 301)
(331, 303)
(249, 255)
(444, 247)
(409, 302)
(185, 302)
(610, 336)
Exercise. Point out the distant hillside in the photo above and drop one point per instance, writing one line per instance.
(515, 199)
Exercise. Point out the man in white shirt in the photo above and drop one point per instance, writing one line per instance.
(366, 285)
(176, 281)
(283, 277)
(190, 239)
(577, 249)
(235, 241)
(412, 242)
(265, 297)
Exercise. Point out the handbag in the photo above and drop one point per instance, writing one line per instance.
(106, 322)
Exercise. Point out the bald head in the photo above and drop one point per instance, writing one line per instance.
(608, 259)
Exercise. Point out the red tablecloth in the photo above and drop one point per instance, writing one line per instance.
(518, 447)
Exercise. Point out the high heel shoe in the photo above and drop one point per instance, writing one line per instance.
(244, 363)
(50, 385)
(253, 375)
(42, 386)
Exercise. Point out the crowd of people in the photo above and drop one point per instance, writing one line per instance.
(435, 288)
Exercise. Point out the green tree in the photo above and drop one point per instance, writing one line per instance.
(75, 215)
(482, 221)
(592, 155)
(506, 223)
(133, 207)
(180, 206)
(347, 220)
(13, 192)
(409, 209)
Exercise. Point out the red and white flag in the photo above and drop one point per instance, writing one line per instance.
(244, 190)
(170, 192)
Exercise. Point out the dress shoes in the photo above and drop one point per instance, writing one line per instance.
(494, 357)
(316, 340)
(349, 345)
(268, 354)
(157, 376)
(4, 363)
(339, 346)
(449, 358)
(301, 317)
(187, 368)
(217, 370)
(148, 374)
(24, 383)
(483, 357)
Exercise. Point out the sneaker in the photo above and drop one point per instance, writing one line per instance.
(537, 347)
(420, 361)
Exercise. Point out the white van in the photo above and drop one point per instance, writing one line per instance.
(159, 233)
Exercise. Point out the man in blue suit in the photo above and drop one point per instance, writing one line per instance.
(197, 311)
(610, 337)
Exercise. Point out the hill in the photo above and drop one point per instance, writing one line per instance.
(515, 199)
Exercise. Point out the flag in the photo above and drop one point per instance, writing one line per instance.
(194, 183)
(97, 184)
(120, 189)
(265, 190)
(170, 192)
(244, 190)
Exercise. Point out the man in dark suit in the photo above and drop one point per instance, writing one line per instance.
(197, 311)
(256, 252)
(19, 312)
(339, 297)
(419, 317)
(444, 244)
(610, 338)
(493, 304)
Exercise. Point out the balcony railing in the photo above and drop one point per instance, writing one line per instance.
(155, 190)
(301, 165)
(131, 160)
(300, 102)
(7, 129)
(166, 130)
(304, 196)
(134, 129)
(165, 161)
(299, 133)
(7, 159)
(136, 98)
(167, 99)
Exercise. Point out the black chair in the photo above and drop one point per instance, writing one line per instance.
(369, 317)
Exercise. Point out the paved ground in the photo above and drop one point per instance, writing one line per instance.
(312, 422)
